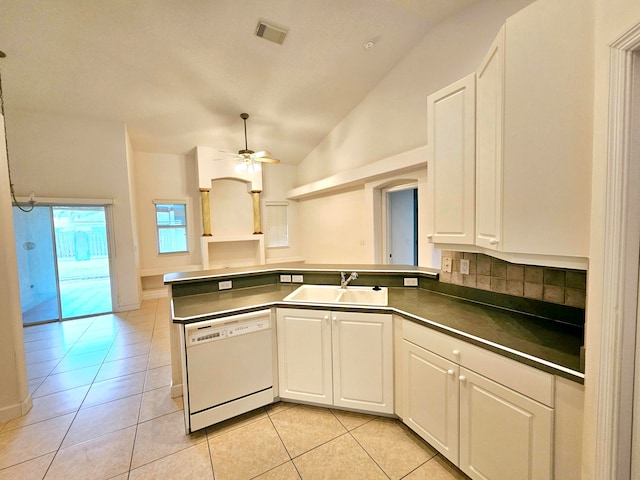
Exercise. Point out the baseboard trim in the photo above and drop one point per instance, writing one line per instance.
(16, 410)
(155, 293)
(176, 391)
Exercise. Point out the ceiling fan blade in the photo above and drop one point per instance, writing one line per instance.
(261, 154)
(267, 160)
(224, 155)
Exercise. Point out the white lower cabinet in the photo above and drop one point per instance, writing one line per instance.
(503, 435)
(488, 429)
(431, 396)
(336, 358)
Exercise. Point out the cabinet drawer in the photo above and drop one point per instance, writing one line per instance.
(527, 380)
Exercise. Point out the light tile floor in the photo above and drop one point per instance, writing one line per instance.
(102, 410)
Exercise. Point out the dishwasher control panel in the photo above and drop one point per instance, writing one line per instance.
(200, 334)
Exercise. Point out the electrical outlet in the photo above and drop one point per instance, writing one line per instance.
(226, 285)
(285, 278)
(410, 282)
(446, 265)
(464, 266)
(297, 278)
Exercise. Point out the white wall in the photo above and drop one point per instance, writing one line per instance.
(133, 205)
(277, 180)
(175, 177)
(231, 207)
(166, 177)
(335, 228)
(62, 156)
(392, 118)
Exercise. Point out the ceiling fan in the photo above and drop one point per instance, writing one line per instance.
(248, 160)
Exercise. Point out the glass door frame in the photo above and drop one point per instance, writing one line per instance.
(107, 204)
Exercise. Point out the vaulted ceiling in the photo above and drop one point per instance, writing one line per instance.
(178, 73)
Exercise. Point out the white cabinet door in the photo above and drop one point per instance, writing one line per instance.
(548, 113)
(489, 132)
(503, 435)
(451, 170)
(431, 398)
(363, 361)
(304, 355)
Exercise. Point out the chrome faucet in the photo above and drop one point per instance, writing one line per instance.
(343, 282)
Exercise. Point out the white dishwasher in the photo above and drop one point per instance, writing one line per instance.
(227, 367)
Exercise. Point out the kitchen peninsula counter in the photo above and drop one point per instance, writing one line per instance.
(549, 344)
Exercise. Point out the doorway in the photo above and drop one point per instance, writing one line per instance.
(401, 225)
(63, 262)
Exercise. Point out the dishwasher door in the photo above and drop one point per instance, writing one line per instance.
(229, 364)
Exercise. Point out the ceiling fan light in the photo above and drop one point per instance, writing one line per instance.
(241, 166)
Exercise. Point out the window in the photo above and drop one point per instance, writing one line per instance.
(171, 222)
(277, 229)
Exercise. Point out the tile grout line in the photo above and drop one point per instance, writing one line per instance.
(362, 446)
(57, 451)
(77, 410)
(283, 445)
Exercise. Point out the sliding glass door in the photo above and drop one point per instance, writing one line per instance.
(36, 265)
(63, 262)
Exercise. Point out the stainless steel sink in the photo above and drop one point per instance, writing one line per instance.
(337, 295)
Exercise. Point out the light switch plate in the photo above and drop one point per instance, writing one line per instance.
(226, 285)
(297, 278)
(410, 282)
(285, 278)
(446, 265)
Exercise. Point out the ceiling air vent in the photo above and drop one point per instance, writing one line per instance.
(269, 32)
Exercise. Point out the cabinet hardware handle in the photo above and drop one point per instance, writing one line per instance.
(456, 352)
(326, 317)
(430, 236)
(493, 241)
(462, 378)
(450, 372)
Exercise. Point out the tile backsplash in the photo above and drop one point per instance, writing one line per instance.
(554, 285)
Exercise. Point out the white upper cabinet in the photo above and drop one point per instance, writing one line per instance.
(533, 142)
(451, 170)
(534, 106)
(548, 122)
(489, 129)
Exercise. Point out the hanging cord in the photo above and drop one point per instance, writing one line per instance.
(6, 147)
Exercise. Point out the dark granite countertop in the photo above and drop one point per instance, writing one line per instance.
(299, 267)
(542, 343)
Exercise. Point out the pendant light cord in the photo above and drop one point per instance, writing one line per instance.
(6, 147)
